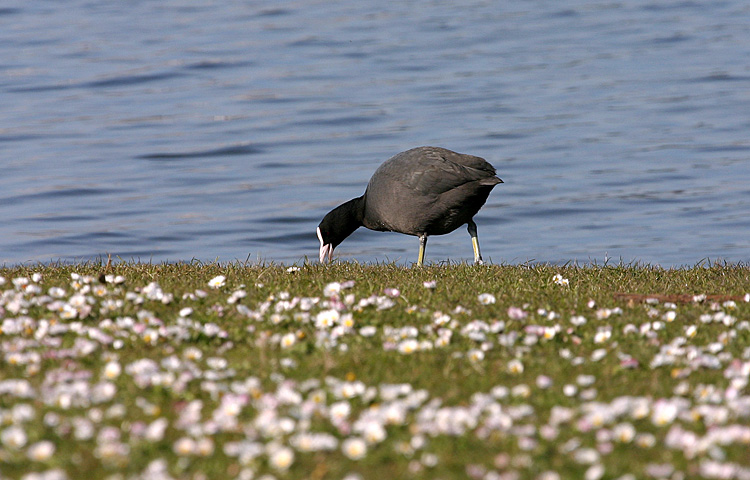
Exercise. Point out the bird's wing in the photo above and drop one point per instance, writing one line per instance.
(435, 171)
(469, 161)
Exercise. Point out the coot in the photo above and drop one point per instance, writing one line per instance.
(423, 191)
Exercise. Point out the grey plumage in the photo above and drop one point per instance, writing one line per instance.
(423, 191)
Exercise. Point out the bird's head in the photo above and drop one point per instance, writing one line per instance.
(338, 224)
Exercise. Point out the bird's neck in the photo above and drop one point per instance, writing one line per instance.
(349, 217)
(354, 211)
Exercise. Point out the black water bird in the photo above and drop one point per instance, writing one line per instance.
(423, 191)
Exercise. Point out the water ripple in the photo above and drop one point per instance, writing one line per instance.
(61, 193)
(240, 149)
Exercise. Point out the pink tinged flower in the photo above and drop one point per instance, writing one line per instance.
(392, 292)
(543, 381)
(629, 362)
(430, 284)
(515, 313)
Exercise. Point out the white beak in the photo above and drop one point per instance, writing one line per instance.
(326, 250)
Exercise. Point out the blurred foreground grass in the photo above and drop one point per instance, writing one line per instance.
(369, 371)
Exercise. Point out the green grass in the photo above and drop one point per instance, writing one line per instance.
(96, 422)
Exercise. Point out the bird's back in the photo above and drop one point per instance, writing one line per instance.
(427, 190)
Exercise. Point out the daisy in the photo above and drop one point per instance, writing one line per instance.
(184, 446)
(339, 411)
(112, 370)
(374, 432)
(204, 446)
(332, 289)
(664, 413)
(288, 340)
(624, 432)
(578, 320)
(218, 281)
(326, 318)
(354, 448)
(368, 331)
(408, 346)
(486, 298)
(475, 355)
(392, 292)
(515, 366)
(281, 458)
(570, 390)
(543, 381)
(41, 451)
(602, 336)
(13, 437)
(346, 320)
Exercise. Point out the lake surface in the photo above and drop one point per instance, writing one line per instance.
(175, 130)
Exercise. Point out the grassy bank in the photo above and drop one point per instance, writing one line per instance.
(352, 371)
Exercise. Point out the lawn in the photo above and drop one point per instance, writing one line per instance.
(350, 371)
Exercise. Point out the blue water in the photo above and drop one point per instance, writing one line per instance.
(174, 130)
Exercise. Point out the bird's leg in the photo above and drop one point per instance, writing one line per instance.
(422, 245)
(472, 228)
